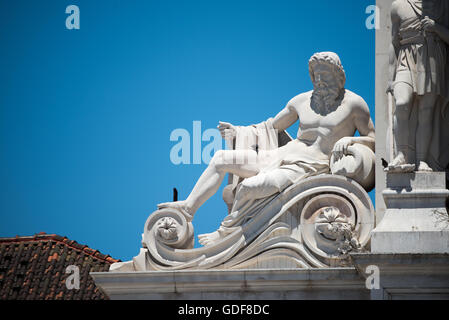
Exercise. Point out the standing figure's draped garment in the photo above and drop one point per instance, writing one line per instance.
(423, 63)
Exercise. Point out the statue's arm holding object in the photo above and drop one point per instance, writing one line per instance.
(354, 157)
(430, 25)
(364, 125)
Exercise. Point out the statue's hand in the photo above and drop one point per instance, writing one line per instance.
(428, 24)
(341, 147)
(227, 130)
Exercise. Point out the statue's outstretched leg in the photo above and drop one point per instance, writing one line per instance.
(254, 188)
(224, 161)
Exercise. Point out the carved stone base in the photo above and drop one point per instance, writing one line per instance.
(400, 276)
(314, 223)
(406, 276)
(416, 219)
(268, 284)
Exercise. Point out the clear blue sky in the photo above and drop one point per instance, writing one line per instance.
(86, 115)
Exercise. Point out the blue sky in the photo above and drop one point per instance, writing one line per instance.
(86, 115)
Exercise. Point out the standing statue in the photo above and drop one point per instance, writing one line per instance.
(419, 82)
(329, 117)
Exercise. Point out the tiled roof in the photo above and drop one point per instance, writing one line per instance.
(34, 268)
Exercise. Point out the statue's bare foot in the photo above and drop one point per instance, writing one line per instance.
(399, 160)
(399, 165)
(178, 205)
(424, 167)
(208, 239)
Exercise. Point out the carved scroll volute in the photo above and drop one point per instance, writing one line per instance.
(330, 228)
(168, 227)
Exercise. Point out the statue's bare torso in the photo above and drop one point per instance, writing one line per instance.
(319, 131)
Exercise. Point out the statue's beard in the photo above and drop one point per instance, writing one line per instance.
(326, 99)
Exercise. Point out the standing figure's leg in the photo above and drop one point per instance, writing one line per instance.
(224, 161)
(426, 109)
(403, 94)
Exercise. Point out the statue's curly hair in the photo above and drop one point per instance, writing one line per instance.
(331, 59)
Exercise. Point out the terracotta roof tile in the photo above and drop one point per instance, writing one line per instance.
(33, 267)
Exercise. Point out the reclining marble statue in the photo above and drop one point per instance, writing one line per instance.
(419, 82)
(303, 202)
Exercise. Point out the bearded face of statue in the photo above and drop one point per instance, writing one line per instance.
(326, 88)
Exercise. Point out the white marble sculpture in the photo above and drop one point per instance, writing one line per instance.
(297, 204)
(419, 82)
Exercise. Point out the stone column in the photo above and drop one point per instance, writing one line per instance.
(383, 147)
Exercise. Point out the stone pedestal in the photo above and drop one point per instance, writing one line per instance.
(268, 284)
(400, 276)
(416, 219)
(406, 276)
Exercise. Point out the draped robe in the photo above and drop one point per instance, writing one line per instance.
(423, 57)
